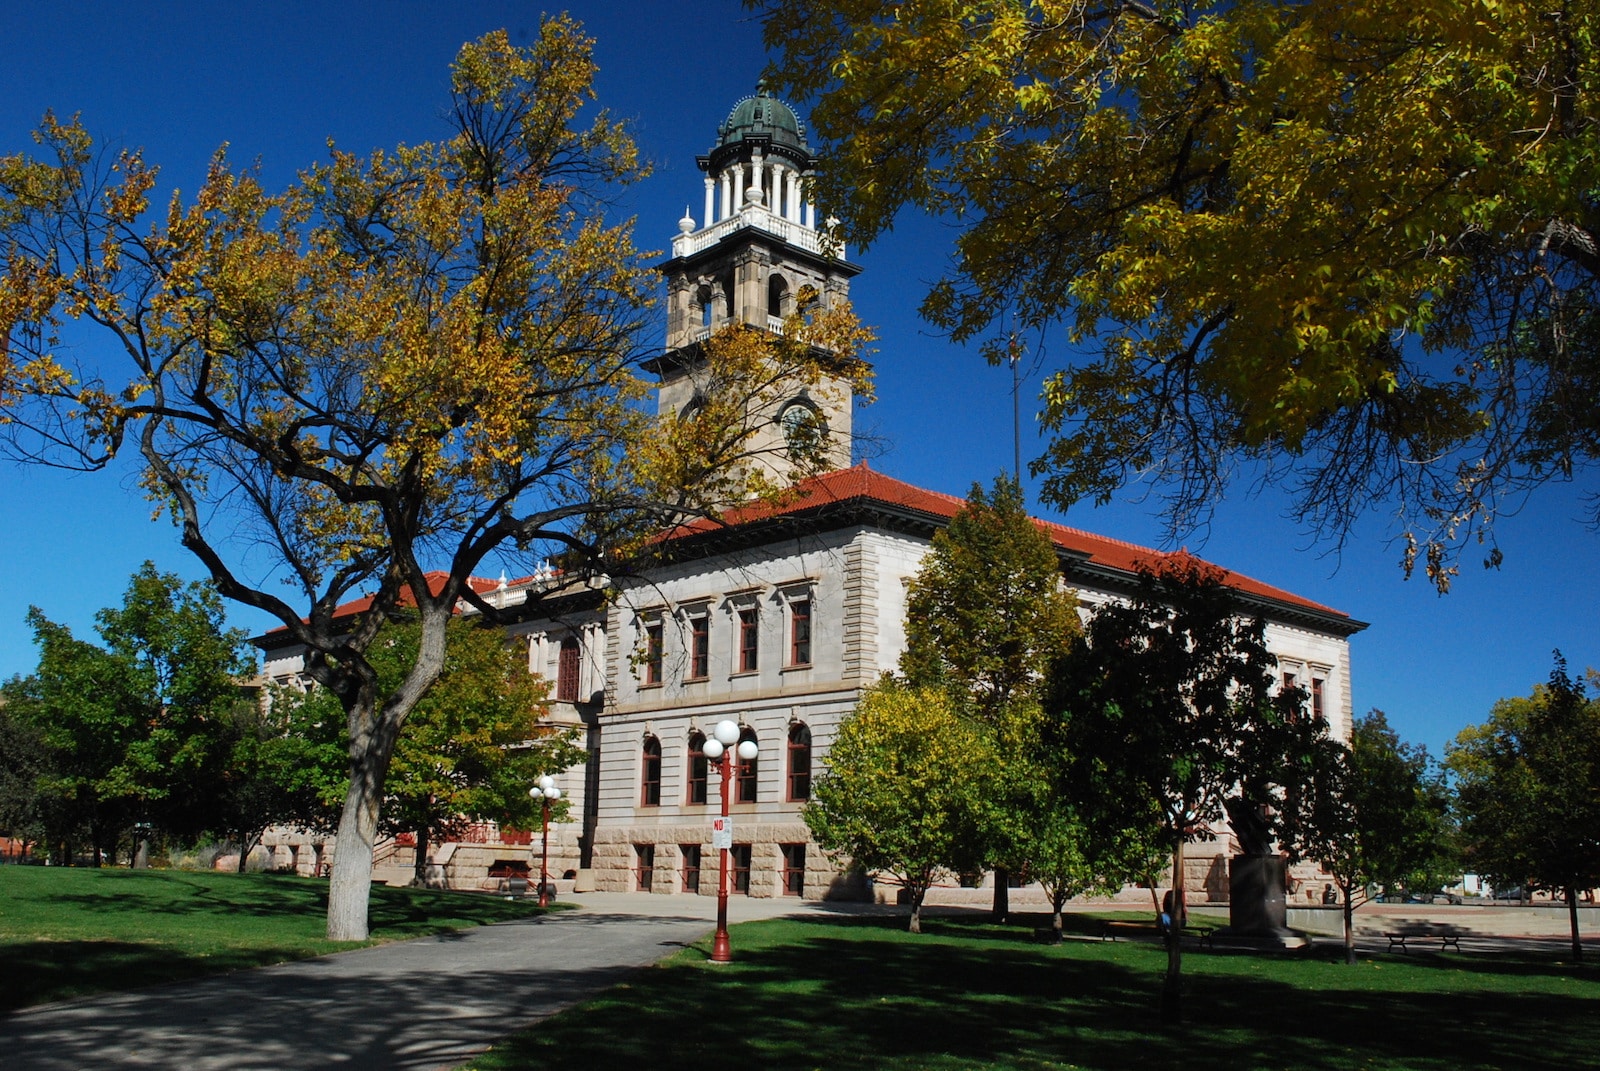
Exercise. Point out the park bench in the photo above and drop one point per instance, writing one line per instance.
(1446, 940)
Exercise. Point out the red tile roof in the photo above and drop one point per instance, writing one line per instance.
(860, 484)
(436, 580)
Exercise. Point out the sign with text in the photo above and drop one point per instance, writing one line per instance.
(722, 833)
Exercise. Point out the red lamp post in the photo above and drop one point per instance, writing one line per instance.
(545, 792)
(720, 749)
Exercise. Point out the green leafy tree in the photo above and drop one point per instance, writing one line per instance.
(1355, 243)
(402, 361)
(1376, 812)
(1529, 784)
(1171, 712)
(473, 746)
(903, 790)
(134, 731)
(986, 615)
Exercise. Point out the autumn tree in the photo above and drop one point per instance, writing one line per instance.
(472, 747)
(1529, 783)
(1172, 715)
(903, 791)
(986, 615)
(400, 362)
(1351, 245)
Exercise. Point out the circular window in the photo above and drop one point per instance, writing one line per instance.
(803, 428)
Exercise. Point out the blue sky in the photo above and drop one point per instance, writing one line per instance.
(276, 81)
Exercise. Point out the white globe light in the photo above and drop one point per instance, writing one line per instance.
(726, 732)
(748, 750)
(552, 793)
(546, 781)
(535, 792)
(712, 750)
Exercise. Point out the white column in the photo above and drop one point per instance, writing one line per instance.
(758, 178)
(811, 215)
(711, 186)
(791, 199)
(725, 185)
(738, 189)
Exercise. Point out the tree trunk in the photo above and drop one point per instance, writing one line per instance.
(1349, 923)
(1056, 903)
(917, 896)
(1002, 896)
(374, 731)
(1171, 988)
(1572, 916)
(350, 884)
(420, 868)
(244, 853)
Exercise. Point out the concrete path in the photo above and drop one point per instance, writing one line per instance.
(411, 1006)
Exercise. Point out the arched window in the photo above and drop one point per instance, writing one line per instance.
(650, 773)
(698, 768)
(799, 762)
(567, 671)
(745, 772)
(804, 429)
(777, 296)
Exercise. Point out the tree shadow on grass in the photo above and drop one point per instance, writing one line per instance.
(39, 972)
(874, 999)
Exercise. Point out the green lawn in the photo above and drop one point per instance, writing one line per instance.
(861, 993)
(66, 932)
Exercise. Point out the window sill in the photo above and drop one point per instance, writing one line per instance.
(696, 680)
(650, 686)
(797, 667)
(745, 673)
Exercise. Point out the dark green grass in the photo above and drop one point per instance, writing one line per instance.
(861, 993)
(67, 932)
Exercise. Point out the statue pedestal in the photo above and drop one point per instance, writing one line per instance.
(1257, 909)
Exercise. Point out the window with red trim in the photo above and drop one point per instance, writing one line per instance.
(794, 869)
(650, 773)
(691, 867)
(699, 647)
(567, 671)
(653, 647)
(800, 632)
(745, 772)
(799, 778)
(644, 856)
(699, 768)
(749, 640)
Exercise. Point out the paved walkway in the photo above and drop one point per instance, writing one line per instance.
(410, 1006)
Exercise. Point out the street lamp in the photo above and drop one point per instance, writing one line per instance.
(546, 793)
(719, 749)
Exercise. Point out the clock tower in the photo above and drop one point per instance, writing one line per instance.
(756, 248)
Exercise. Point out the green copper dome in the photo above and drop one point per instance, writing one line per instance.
(763, 114)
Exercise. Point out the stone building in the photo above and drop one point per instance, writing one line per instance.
(779, 617)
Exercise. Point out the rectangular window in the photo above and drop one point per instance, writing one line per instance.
(800, 633)
(650, 773)
(644, 856)
(567, 671)
(739, 861)
(744, 774)
(691, 867)
(1316, 697)
(1289, 681)
(699, 647)
(698, 769)
(652, 653)
(749, 640)
(794, 869)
